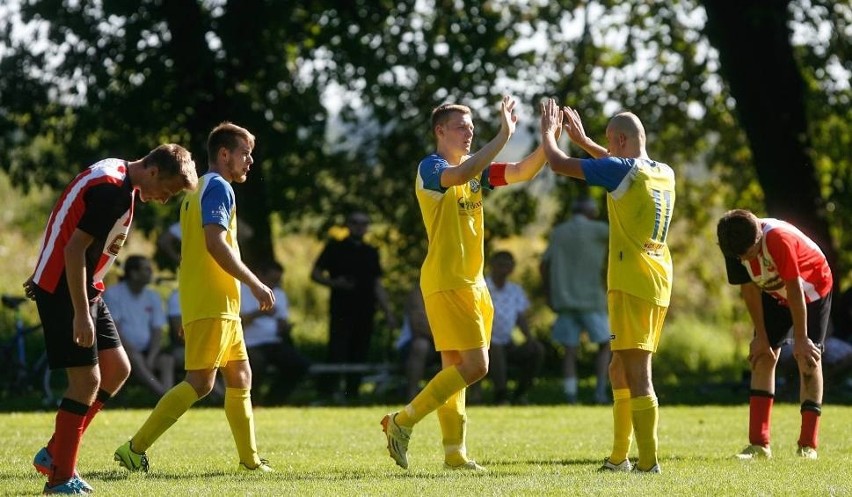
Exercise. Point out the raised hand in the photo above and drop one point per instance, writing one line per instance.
(573, 125)
(508, 119)
(551, 118)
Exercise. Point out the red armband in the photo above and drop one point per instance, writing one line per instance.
(497, 174)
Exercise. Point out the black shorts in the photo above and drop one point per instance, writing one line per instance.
(779, 321)
(57, 318)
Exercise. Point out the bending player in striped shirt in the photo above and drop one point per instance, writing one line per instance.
(84, 233)
(785, 282)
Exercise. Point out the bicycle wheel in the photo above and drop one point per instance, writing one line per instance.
(52, 384)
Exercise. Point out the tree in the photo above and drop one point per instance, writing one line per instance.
(339, 95)
(757, 58)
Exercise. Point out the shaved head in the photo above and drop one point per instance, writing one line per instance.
(630, 125)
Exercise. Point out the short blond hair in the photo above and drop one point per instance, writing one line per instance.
(226, 135)
(441, 114)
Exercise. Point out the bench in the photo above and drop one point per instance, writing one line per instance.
(384, 375)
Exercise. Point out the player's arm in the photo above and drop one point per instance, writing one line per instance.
(751, 295)
(473, 166)
(220, 250)
(759, 347)
(551, 124)
(527, 168)
(803, 347)
(574, 128)
(75, 273)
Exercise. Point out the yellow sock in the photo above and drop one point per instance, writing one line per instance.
(622, 425)
(241, 419)
(645, 415)
(453, 419)
(169, 409)
(440, 388)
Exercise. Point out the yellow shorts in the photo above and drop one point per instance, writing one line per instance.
(635, 323)
(213, 343)
(461, 318)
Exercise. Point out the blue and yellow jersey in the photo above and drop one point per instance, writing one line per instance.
(454, 227)
(640, 202)
(206, 290)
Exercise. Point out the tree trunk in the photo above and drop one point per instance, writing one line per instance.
(757, 61)
(212, 99)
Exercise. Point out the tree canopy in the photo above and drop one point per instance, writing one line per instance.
(752, 113)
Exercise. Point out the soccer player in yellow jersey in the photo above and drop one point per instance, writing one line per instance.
(640, 199)
(449, 188)
(209, 280)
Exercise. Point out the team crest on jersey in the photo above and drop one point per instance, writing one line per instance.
(116, 244)
(474, 185)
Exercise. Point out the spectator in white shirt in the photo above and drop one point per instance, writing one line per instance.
(268, 340)
(138, 314)
(510, 311)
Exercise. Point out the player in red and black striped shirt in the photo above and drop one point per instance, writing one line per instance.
(84, 233)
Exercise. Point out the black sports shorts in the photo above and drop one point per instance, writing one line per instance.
(57, 318)
(779, 321)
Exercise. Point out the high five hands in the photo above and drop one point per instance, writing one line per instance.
(508, 118)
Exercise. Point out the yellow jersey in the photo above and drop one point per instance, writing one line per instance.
(205, 289)
(454, 226)
(640, 201)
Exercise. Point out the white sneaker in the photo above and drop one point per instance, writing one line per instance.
(398, 437)
(806, 452)
(623, 466)
(654, 469)
(752, 452)
(263, 467)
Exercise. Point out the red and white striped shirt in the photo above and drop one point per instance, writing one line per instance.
(785, 254)
(99, 201)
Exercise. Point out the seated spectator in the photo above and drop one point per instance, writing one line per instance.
(268, 340)
(415, 346)
(510, 311)
(138, 314)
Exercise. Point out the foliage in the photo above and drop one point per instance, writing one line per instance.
(540, 451)
(339, 95)
(692, 350)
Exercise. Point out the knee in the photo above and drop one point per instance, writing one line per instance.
(84, 383)
(475, 372)
(807, 370)
(202, 385)
(615, 370)
(122, 371)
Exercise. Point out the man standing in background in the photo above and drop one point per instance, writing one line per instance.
(351, 269)
(572, 273)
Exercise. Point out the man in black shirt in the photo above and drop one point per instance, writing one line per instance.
(351, 268)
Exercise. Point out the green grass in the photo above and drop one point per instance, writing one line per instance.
(551, 450)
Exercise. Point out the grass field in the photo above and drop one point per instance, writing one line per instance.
(551, 450)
